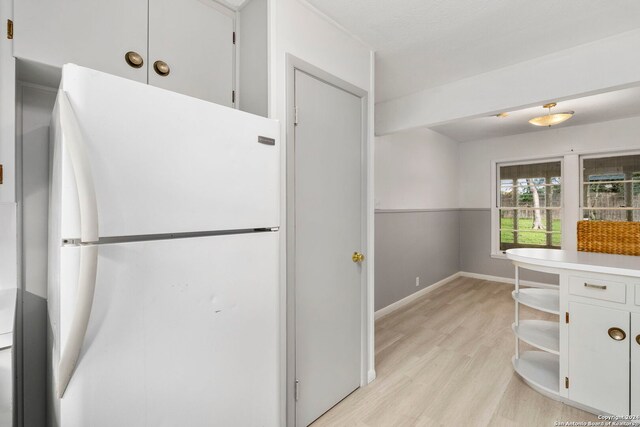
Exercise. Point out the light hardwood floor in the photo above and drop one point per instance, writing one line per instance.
(445, 360)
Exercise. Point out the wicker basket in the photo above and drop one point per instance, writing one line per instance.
(610, 237)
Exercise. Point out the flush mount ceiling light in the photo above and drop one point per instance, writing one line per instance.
(551, 119)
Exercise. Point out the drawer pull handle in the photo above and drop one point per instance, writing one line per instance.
(591, 285)
(617, 334)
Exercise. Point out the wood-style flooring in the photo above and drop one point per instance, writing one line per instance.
(445, 360)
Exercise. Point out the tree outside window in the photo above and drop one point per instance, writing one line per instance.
(530, 205)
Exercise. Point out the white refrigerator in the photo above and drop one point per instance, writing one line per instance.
(163, 259)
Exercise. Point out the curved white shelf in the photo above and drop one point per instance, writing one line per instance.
(547, 300)
(539, 368)
(542, 334)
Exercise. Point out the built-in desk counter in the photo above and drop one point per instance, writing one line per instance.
(590, 356)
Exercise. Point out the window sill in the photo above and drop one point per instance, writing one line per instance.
(499, 255)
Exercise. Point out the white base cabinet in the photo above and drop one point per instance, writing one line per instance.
(599, 364)
(6, 388)
(7, 373)
(590, 356)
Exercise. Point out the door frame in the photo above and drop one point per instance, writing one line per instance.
(367, 372)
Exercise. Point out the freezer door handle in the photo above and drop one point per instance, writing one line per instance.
(80, 320)
(81, 170)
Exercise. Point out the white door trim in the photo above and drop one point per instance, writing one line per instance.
(367, 373)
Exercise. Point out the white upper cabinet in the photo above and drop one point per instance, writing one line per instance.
(192, 41)
(91, 33)
(252, 53)
(185, 46)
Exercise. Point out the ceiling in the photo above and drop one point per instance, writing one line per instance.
(426, 43)
(591, 109)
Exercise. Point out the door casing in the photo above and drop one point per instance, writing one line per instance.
(366, 335)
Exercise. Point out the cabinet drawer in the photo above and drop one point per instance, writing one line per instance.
(605, 290)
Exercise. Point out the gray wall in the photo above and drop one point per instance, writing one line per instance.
(475, 245)
(475, 249)
(432, 245)
(412, 244)
(34, 115)
(35, 104)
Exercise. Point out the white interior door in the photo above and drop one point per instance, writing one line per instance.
(328, 230)
(195, 39)
(599, 364)
(635, 361)
(183, 332)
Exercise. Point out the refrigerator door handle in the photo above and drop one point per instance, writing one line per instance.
(88, 233)
(81, 314)
(81, 170)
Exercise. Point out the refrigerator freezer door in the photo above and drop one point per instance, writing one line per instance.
(183, 332)
(163, 162)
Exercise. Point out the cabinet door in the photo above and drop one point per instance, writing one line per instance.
(598, 364)
(92, 33)
(7, 128)
(6, 388)
(195, 39)
(635, 363)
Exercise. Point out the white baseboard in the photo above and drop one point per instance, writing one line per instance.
(486, 277)
(507, 280)
(406, 300)
(371, 375)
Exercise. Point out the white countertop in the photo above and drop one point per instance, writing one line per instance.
(621, 265)
(7, 316)
(6, 340)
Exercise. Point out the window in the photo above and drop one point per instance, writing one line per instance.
(530, 205)
(611, 188)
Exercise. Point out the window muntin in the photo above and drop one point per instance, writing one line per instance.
(530, 205)
(611, 188)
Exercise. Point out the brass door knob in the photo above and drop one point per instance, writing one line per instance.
(134, 59)
(357, 257)
(162, 68)
(638, 339)
(617, 334)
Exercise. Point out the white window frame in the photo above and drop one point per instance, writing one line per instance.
(572, 186)
(496, 252)
(600, 155)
